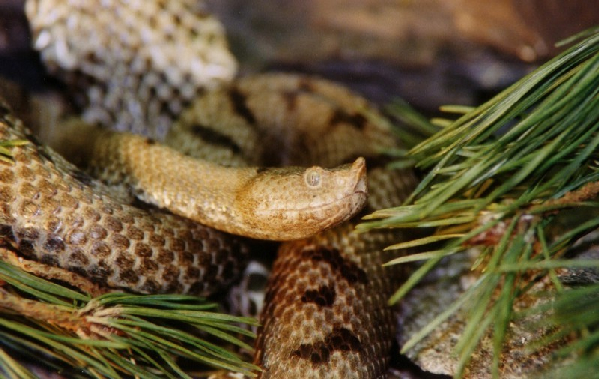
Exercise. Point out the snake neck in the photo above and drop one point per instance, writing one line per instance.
(276, 204)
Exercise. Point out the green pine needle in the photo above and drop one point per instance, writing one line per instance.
(5, 146)
(573, 315)
(501, 178)
(415, 127)
(115, 335)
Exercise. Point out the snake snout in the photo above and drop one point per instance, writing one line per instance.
(359, 167)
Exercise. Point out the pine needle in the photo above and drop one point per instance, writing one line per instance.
(112, 336)
(415, 127)
(500, 178)
(5, 146)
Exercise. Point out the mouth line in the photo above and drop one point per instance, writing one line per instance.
(330, 204)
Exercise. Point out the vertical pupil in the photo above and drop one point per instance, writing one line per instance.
(313, 179)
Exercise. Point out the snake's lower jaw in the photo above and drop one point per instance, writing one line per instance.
(290, 226)
(361, 193)
(359, 201)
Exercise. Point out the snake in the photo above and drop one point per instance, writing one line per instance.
(145, 226)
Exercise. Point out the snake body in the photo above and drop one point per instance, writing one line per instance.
(238, 200)
(55, 214)
(326, 313)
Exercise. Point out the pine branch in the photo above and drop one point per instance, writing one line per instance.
(114, 335)
(415, 127)
(501, 177)
(574, 312)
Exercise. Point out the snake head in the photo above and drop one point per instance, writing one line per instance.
(294, 203)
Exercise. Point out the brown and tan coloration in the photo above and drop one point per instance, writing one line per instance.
(52, 212)
(265, 203)
(326, 312)
(132, 63)
(326, 315)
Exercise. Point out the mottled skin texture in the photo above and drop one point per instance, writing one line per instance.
(327, 300)
(133, 64)
(326, 313)
(237, 200)
(51, 212)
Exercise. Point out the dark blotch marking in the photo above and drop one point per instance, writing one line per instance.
(29, 234)
(49, 260)
(323, 297)
(27, 248)
(290, 98)
(305, 85)
(54, 245)
(348, 269)
(356, 120)
(261, 169)
(5, 229)
(343, 339)
(238, 99)
(317, 353)
(78, 259)
(165, 109)
(150, 141)
(78, 270)
(92, 58)
(149, 286)
(213, 137)
(82, 177)
(41, 150)
(129, 276)
(99, 273)
(340, 339)
(142, 249)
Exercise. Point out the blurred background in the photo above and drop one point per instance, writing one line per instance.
(430, 52)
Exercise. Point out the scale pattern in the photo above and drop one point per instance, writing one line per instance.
(326, 312)
(50, 212)
(132, 63)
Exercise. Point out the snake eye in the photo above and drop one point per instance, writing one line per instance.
(312, 178)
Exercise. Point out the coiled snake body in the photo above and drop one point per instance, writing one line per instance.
(325, 314)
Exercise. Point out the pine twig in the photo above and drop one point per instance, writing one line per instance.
(502, 191)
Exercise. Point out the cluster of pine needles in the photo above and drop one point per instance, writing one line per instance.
(114, 335)
(516, 178)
